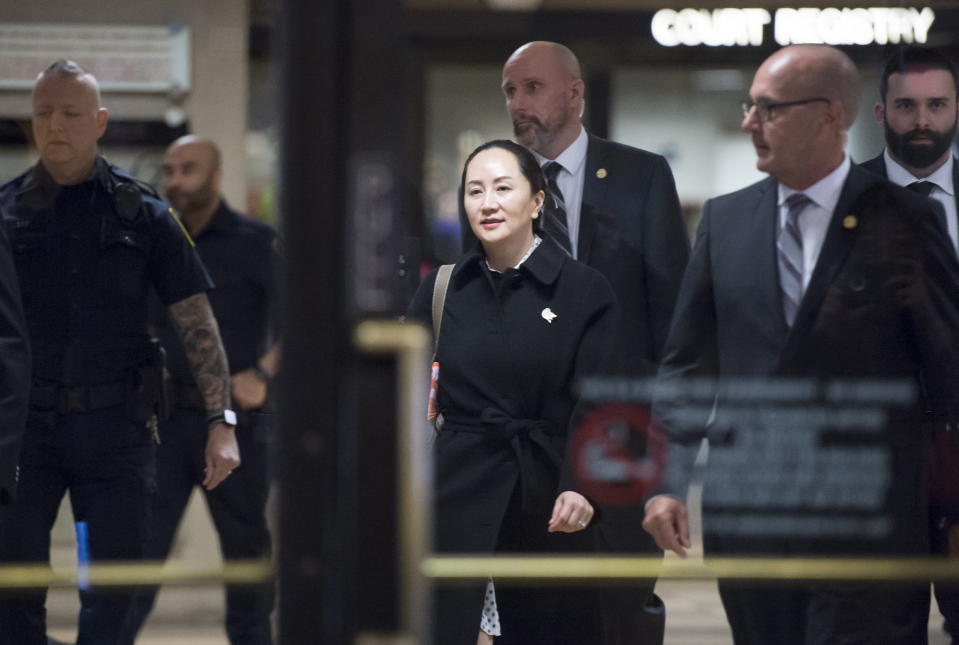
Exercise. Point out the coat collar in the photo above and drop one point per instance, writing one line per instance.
(38, 179)
(543, 265)
(39, 190)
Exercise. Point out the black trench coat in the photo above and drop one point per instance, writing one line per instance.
(510, 351)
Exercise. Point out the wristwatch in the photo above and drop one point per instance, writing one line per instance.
(225, 416)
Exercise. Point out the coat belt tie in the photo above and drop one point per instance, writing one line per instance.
(525, 437)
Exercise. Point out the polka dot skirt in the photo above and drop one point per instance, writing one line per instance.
(489, 621)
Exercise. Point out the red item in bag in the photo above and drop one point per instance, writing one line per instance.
(434, 384)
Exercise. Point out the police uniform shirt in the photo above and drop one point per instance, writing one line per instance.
(86, 256)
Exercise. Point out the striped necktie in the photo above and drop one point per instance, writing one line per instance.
(554, 211)
(789, 251)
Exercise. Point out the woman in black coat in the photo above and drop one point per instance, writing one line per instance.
(522, 323)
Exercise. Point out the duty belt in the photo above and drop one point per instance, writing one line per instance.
(538, 477)
(78, 398)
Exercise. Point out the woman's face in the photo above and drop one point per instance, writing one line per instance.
(498, 200)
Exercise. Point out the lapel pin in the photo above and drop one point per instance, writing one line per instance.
(601, 173)
(548, 315)
(850, 222)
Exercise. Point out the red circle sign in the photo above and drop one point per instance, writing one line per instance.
(607, 459)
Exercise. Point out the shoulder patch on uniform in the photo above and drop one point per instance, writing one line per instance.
(186, 233)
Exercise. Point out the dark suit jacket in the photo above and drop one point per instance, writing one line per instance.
(883, 303)
(944, 477)
(632, 231)
(14, 373)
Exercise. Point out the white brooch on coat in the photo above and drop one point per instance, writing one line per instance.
(548, 315)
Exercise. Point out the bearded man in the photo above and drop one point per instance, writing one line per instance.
(919, 111)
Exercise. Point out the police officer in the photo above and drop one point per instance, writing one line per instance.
(240, 255)
(88, 241)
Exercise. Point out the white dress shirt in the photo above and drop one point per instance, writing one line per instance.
(570, 181)
(944, 192)
(814, 220)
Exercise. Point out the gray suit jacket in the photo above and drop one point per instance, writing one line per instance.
(882, 303)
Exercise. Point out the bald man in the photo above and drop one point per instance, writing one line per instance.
(821, 272)
(240, 255)
(90, 242)
(619, 214)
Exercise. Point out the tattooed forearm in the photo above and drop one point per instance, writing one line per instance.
(200, 335)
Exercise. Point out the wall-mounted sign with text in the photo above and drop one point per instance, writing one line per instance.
(831, 26)
(127, 58)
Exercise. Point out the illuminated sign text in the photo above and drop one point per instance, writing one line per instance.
(831, 26)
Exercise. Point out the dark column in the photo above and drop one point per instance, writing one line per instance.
(346, 208)
(312, 570)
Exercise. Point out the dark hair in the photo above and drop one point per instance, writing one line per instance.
(64, 67)
(914, 58)
(527, 165)
(524, 159)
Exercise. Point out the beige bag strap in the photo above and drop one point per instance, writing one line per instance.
(439, 301)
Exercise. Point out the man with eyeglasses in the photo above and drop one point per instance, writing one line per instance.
(919, 108)
(765, 109)
(820, 272)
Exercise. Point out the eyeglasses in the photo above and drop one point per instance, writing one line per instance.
(764, 109)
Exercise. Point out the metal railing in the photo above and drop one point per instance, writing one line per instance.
(410, 344)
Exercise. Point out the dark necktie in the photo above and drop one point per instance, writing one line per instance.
(554, 210)
(789, 251)
(923, 187)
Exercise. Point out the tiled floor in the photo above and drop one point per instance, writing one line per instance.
(167, 636)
